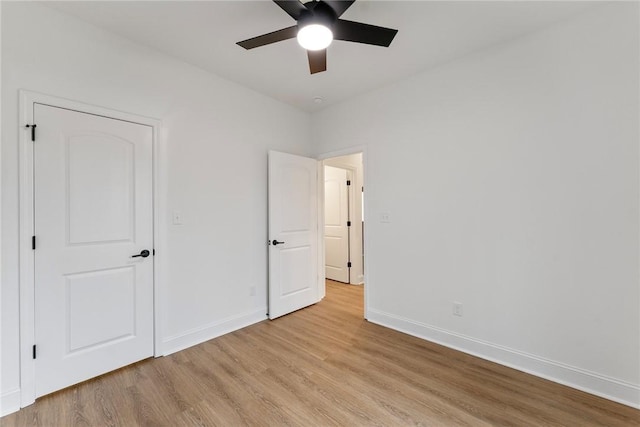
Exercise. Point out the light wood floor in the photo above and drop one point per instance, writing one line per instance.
(323, 365)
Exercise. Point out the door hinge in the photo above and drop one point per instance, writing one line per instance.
(348, 223)
(349, 264)
(348, 182)
(34, 351)
(33, 131)
(33, 243)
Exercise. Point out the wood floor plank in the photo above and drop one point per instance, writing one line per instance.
(321, 366)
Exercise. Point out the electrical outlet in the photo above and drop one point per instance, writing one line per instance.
(457, 309)
(385, 217)
(252, 291)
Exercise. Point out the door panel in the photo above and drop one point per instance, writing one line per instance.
(93, 211)
(336, 231)
(92, 298)
(99, 166)
(295, 270)
(293, 218)
(295, 205)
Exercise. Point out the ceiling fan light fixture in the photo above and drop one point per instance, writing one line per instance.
(318, 22)
(315, 37)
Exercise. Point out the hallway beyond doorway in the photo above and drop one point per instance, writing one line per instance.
(346, 298)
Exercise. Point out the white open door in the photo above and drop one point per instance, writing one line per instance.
(293, 233)
(93, 212)
(336, 220)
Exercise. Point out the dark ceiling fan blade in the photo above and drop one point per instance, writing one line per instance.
(276, 36)
(339, 6)
(317, 60)
(293, 7)
(363, 33)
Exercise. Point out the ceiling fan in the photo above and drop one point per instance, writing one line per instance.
(318, 23)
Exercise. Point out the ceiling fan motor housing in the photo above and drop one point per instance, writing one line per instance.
(317, 13)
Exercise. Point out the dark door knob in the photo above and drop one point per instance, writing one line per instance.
(145, 253)
(275, 242)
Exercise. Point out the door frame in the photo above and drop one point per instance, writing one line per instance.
(365, 176)
(27, 218)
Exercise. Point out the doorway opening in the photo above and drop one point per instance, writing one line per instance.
(344, 227)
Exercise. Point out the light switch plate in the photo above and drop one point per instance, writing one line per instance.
(177, 218)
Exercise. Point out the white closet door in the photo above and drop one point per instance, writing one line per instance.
(336, 230)
(93, 212)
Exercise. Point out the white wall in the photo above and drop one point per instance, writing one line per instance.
(512, 179)
(214, 145)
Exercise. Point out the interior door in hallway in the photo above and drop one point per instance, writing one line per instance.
(336, 221)
(293, 233)
(93, 214)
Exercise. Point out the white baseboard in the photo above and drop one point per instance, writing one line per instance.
(205, 333)
(590, 382)
(9, 402)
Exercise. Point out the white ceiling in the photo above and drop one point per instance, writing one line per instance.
(204, 33)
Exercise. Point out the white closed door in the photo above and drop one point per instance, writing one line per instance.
(293, 233)
(93, 212)
(336, 229)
